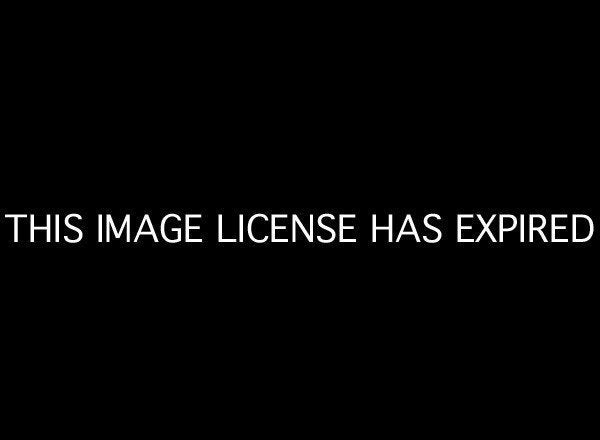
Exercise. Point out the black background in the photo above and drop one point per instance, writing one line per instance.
(386, 112)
